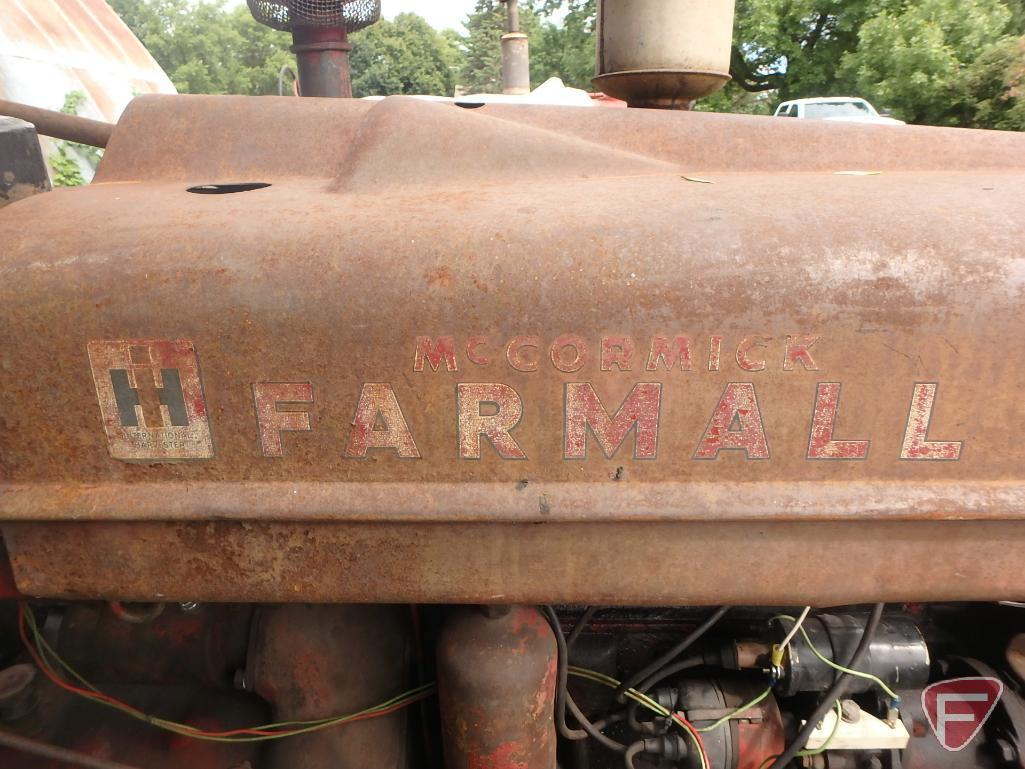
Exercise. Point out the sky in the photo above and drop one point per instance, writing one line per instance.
(440, 13)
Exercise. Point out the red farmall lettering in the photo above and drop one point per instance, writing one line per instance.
(272, 419)
(821, 444)
(638, 413)
(153, 408)
(736, 425)
(916, 445)
(505, 410)
(379, 424)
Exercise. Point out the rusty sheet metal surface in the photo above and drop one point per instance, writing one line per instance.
(437, 314)
(820, 564)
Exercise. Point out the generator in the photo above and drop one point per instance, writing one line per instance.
(398, 434)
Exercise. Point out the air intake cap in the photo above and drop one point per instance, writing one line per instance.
(287, 15)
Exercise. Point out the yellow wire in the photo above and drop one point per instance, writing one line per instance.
(186, 730)
(856, 673)
(642, 699)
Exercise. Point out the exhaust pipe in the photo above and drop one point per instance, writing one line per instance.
(663, 53)
(320, 38)
(515, 53)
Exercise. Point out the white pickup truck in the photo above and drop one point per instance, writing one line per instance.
(836, 108)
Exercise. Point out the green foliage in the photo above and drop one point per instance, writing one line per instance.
(204, 48)
(482, 49)
(918, 60)
(64, 168)
(946, 62)
(942, 62)
(566, 50)
(403, 56)
(997, 81)
(563, 49)
(65, 161)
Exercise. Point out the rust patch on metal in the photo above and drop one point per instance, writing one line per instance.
(605, 274)
(487, 563)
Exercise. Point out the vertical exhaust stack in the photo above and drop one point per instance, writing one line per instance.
(663, 53)
(320, 38)
(515, 53)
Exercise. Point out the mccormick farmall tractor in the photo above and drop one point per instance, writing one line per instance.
(403, 434)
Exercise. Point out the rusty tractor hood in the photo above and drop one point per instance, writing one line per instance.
(429, 314)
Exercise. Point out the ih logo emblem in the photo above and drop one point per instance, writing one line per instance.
(958, 709)
(151, 399)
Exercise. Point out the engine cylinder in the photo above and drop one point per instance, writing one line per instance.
(496, 685)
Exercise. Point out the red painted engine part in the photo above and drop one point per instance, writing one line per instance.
(496, 686)
(318, 661)
(203, 646)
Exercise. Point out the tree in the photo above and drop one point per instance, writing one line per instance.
(566, 49)
(205, 49)
(67, 162)
(997, 81)
(403, 56)
(795, 46)
(482, 48)
(918, 57)
(918, 60)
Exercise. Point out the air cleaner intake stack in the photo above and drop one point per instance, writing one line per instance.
(320, 38)
(515, 53)
(663, 53)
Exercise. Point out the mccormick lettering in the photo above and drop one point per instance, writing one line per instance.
(570, 353)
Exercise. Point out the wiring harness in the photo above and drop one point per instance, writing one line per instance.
(49, 662)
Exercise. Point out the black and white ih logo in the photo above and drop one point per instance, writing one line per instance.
(151, 399)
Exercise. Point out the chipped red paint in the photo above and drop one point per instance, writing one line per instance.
(378, 406)
(153, 433)
(616, 351)
(495, 427)
(472, 354)
(271, 421)
(570, 352)
(558, 353)
(434, 353)
(916, 444)
(744, 353)
(669, 353)
(714, 352)
(639, 412)
(737, 406)
(798, 351)
(515, 355)
(821, 444)
(505, 756)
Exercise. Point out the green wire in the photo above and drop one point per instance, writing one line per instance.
(856, 673)
(825, 745)
(733, 714)
(641, 699)
(50, 656)
(821, 749)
